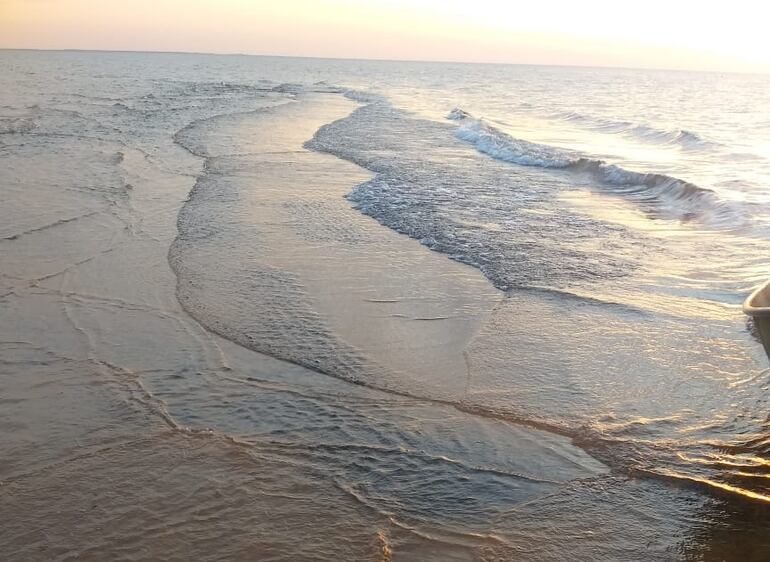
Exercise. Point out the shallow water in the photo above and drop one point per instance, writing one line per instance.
(567, 374)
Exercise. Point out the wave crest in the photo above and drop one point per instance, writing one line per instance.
(457, 114)
(671, 196)
(646, 133)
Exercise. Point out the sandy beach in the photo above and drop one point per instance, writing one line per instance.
(258, 319)
(96, 464)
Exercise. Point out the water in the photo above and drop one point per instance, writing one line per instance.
(567, 374)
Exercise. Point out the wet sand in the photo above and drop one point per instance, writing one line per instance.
(94, 467)
(408, 312)
(313, 386)
(105, 453)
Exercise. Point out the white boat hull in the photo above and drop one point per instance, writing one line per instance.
(757, 305)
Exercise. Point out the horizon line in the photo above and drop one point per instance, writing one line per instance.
(427, 61)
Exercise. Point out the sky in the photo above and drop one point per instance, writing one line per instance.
(681, 34)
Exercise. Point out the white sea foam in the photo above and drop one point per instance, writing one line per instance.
(680, 198)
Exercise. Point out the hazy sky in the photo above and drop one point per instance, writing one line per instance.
(650, 33)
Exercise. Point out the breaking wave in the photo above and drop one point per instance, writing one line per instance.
(671, 197)
(681, 137)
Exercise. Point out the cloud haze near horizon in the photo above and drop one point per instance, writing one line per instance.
(657, 33)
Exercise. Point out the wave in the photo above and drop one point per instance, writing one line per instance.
(289, 88)
(670, 196)
(363, 97)
(681, 137)
(215, 296)
(457, 114)
(16, 125)
(323, 87)
(500, 145)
